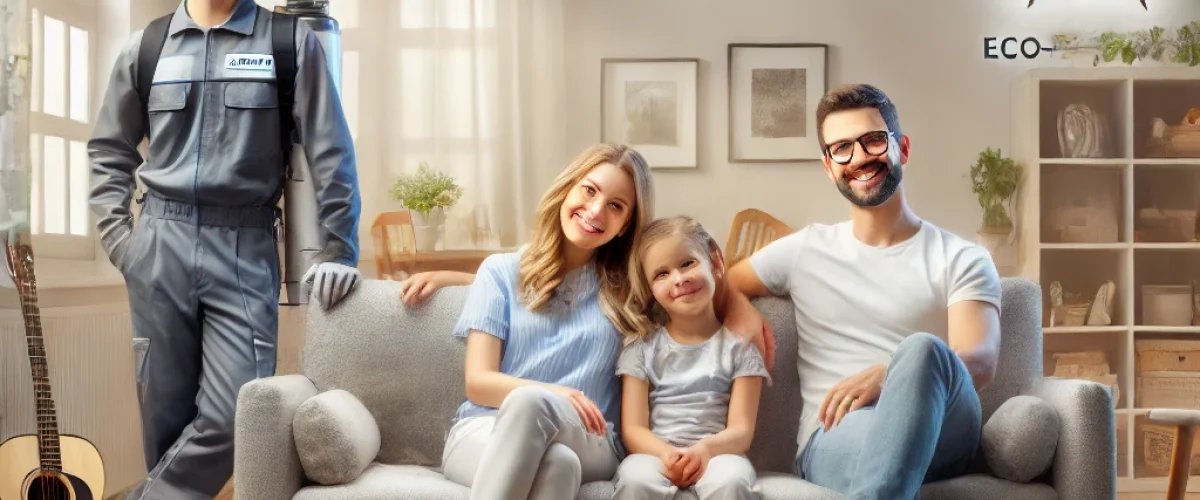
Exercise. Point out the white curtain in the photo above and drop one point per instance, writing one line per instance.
(471, 87)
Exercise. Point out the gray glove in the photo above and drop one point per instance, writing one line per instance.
(330, 282)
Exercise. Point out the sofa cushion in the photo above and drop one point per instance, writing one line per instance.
(774, 445)
(1020, 439)
(985, 487)
(336, 437)
(772, 486)
(390, 482)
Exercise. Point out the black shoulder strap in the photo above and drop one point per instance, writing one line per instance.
(283, 46)
(153, 39)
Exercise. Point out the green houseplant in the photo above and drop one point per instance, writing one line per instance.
(1187, 44)
(994, 180)
(427, 191)
(1154, 44)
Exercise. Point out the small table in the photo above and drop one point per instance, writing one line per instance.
(467, 261)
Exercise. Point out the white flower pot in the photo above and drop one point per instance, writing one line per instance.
(427, 228)
(1000, 244)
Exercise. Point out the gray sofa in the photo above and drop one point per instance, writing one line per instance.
(407, 370)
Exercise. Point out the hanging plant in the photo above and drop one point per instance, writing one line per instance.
(1153, 44)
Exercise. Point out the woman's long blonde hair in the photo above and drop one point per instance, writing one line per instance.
(541, 264)
(648, 315)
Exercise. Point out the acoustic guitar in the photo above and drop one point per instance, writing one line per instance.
(46, 465)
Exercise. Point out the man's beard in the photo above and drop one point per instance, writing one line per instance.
(882, 193)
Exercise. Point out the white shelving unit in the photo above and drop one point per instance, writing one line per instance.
(1129, 98)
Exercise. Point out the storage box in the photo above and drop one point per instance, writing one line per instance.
(1168, 390)
(1167, 305)
(1168, 355)
(1158, 441)
(1087, 365)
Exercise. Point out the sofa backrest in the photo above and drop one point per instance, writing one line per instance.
(401, 362)
(407, 369)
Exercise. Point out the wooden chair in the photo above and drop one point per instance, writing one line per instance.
(1185, 423)
(752, 229)
(395, 245)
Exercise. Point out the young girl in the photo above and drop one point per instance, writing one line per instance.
(691, 388)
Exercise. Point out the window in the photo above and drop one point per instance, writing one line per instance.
(60, 126)
(444, 72)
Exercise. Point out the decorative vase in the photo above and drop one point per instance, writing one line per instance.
(1082, 132)
(427, 228)
(999, 243)
(1082, 57)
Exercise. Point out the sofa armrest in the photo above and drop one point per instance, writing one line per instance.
(266, 466)
(1085, 463)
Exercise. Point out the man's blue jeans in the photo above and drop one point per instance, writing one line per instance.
(925, 427)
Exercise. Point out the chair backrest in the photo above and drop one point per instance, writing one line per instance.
(751, 230)
(407, 369)
(395, 242)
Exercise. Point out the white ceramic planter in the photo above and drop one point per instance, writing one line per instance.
(1002, 247)
(427, 228)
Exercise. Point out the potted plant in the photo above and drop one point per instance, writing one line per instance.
(427, 194)
(994, 180)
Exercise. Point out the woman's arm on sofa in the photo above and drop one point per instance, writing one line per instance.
(419, 287)
(487, 386)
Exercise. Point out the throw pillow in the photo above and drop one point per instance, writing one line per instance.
(1020, 439)
(336, 437)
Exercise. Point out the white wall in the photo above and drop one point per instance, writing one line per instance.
(926, 54)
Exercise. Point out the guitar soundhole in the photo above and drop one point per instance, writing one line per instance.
(48, 487)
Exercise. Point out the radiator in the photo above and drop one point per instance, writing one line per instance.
(90, 353)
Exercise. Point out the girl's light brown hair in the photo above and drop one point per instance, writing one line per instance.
(541, 264)
(641, 304)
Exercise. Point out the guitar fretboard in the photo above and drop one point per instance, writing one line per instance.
(20, 268)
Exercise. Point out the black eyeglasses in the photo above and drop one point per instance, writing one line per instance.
(874, 143)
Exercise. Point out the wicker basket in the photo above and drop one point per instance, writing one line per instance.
(1176, 141)
(1071, 314)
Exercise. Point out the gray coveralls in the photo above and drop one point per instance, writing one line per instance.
(202, 266)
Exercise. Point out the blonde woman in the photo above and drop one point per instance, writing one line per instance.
(543, 335)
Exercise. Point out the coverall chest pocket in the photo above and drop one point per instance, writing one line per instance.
(169, 124)
(251, 123)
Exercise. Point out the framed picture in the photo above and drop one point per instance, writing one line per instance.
(773, 94)
(651, 106)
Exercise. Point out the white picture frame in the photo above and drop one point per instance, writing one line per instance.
(774, 90)
(652, 106)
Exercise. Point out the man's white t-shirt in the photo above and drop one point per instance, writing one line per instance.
(854, 302)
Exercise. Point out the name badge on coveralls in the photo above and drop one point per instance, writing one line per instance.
(253, 66)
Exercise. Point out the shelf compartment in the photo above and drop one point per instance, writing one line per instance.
(1152, 446)
(1108, 100)
(1080, 273)
(1162, 286)
(1082, 203)
(1166, 199)
(1166, 370)
(1083, 356)
(1168, 101)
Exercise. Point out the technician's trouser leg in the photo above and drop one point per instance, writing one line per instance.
(203, 290)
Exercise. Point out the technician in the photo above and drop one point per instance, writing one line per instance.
(202, 266)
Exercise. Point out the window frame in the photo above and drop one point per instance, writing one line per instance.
(82, 16)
